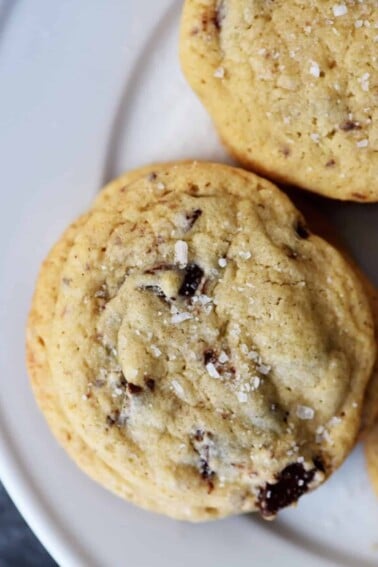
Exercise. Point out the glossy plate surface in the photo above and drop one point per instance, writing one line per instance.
(90, 89)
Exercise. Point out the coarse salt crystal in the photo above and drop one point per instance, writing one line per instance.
(181, 253)
(305, 412)
(245, 255)
(339, 10)
(219, 73)
(242, 397)
(160, 186)
(264, 368)
(362, 143)
(334, 420)
(358, 24)
(315, 137)
(365, 82)
(155, 351)
(314, 69)
(177, 388)
(180, 317)
(222, 262)
(255, 382)
(84, 397)
(213, 372)
(223, 357)
(204, 299)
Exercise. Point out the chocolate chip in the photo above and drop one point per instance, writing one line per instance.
(192, 217)
(134, 388)
(205, 470)
(150, 383)
(112, 418)
(301, 230)
(209, 356)
(349, 125)
(319, 464)
(122, 381)
(199, 434)
(291, 483)
(192, 279)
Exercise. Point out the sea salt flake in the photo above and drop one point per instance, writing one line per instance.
(177, 388)
(305, 412)
(242, 397)
(223, 357)
(339, 10)
(334, 421)
(264, 368)
(181, 253)
(315, 69)
(219, 73)
(362, 143)
(213, 372)
(222, 262)
(180, 317)
(364, 80)
(155, 351)
(255, 382)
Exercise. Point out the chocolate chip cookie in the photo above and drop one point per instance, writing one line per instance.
(292, 87)
(195, 348)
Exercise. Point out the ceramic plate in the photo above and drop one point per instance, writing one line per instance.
(90, 89)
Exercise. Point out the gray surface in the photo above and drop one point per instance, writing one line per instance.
(18, 545)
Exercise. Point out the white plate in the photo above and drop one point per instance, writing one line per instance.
(88, 90)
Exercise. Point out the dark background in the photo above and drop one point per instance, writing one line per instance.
(18, 545)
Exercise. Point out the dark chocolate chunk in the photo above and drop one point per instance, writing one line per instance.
(209, 356)
(349, 125)
(192, 217)
(291, 483)
(319, 464)
(192, 279)
(150, 383)
(301, 230)
(134, 388)
(205, 470)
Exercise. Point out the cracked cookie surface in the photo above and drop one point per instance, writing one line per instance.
(292, 87)
(195, 348)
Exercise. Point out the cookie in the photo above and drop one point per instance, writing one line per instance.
(321, 226)
(371, 454)
(195, 349)
(291, 87)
